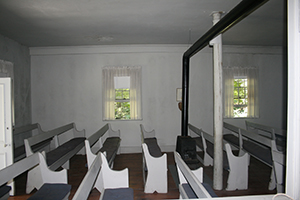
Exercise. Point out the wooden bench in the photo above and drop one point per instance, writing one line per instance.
(154, 164)
(54, 185)
(109, 144)
(108, 141)
(191, 184)
(115, 191)
(57, 157)
(28, 131)
(260, 147)
(279, 135)
(237, 166)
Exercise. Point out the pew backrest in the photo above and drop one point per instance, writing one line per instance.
(49, 135)
(17, 168)
(190, 177)
(248, 134)
(89, 180)
(267, 131)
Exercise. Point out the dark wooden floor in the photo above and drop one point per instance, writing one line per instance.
(258, 178)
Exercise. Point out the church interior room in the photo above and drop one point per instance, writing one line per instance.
(115, 72)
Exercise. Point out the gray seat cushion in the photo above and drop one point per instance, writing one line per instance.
(51, 192)
(153, 147)
(57, 153)
(118, 194)
(191, 194)
(210, 151)
(198, 142)
(110, 146)
(262, 153)
(4, 191)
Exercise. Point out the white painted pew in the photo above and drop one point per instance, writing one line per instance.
(237, 166)
(57, 157)
(108, 140)
(54, 185)
(115, 186)
(262, 148)
(190, 186)
(91, 178)
(154, 162)
(279, 135)
(109, 146)
(33, 129)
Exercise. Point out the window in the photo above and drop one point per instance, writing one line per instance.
(240, 86)
(240, 97)
(121, 93)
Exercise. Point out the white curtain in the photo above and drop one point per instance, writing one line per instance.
(108, 74)
(252, 79)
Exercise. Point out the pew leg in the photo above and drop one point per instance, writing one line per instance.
(279, 173)
(208, 161)
(272, 183)
(34, 179)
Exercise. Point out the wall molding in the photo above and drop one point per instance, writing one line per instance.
(121, 49)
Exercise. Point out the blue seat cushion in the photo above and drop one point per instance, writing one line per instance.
(49, 191)
(153, 147)
(4, 190)
(118, 194)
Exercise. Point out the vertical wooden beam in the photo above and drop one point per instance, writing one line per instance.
(218, 108)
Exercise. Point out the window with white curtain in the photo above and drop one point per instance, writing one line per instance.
(122, 93)
(240, 92)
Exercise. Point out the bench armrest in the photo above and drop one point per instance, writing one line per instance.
(113, 178)
(50, 176)
(112, 133)
(146, 134)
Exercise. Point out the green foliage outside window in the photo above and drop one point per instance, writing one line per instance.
(122, 104)
(240, 97)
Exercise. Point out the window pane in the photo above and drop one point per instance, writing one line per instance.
(241, 93)
(119, 94)
(122, 94)
(122, 110)
(126, 93)
(235, 93)
(240, 97)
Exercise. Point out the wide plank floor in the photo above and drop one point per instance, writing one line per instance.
(259, 175)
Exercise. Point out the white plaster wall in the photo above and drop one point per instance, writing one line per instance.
(270, 62)
(67, 87)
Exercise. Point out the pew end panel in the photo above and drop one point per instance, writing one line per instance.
(146, 134)
(109, 178)
(238, 167)
(154, 163)
(157, 172)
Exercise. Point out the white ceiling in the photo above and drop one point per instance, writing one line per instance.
(114, 22)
